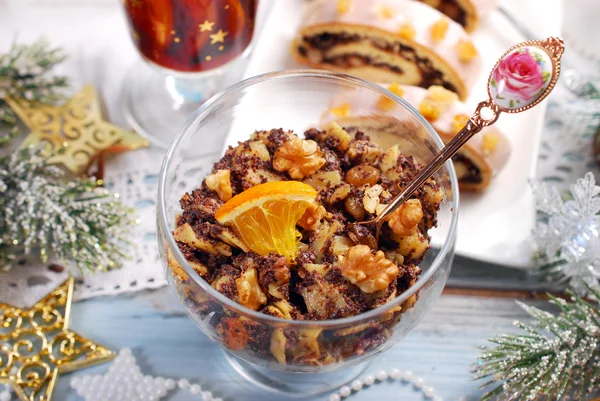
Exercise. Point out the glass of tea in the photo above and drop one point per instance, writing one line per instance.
(192, 49)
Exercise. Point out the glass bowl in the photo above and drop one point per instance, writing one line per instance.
(324, 354)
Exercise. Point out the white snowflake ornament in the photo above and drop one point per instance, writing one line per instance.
(568, 242)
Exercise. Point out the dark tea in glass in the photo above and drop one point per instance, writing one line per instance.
(191, 35)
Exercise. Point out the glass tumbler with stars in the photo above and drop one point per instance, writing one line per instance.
(191, 49)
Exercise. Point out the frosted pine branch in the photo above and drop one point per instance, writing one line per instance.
(25, 74)
(42, 213)
(555, 356)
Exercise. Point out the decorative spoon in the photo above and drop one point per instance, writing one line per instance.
(521, 79)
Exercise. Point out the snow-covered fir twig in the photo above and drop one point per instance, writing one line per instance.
(555, 356)
(568, 238)
(25, 74)
(43, 213)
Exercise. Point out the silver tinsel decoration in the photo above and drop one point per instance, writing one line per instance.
(567, 241)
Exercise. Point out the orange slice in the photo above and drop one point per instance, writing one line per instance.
(265, 216)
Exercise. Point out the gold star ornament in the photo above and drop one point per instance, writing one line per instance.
(36, 345)
(74, 133)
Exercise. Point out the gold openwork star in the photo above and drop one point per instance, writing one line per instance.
(36, 345)
(218, 37)
(73, 133)
(206, 26)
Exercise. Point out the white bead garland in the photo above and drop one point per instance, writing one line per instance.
(381, 376)
(124, 381)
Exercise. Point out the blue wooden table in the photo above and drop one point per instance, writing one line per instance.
(440, 350)
(166, 343)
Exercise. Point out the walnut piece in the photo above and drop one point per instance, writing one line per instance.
(312, 217)
(299, 157)
(405, 219)
(186, 234)
(249, 292)
(220, 182)
(370, 272)
(364, 151)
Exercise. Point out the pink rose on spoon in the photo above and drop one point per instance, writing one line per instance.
(519, 74)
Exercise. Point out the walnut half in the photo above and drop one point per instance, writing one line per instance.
(370, 272)
(405, 219)
(299, 157)
(220, 182)
(312, 217)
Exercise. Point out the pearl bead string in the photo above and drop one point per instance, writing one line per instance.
(124, 381)
(395, 375)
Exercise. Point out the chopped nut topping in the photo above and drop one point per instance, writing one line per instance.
(384, 11)
(405, 219)
(220, 182)
(371, 198)
(343, 6)
(312, 217)
(439, 29)
(186, 234)
(299, 157)
(437, 101)
(413, 247)
(407, 31)
(466, 51)
(334, 130)
(385, 103)
(490, 141)
(459, 122)
(249, 292)
(370, 272)
(342, 110)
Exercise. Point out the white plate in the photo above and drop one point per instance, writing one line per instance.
(493, 226)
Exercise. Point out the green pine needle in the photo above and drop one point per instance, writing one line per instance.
(42, 214)
(25, 75)
(556, 356)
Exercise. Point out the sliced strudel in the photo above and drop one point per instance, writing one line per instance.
(388, 41)
(466, 12)
(478, 160)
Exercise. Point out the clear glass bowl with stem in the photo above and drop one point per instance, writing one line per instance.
(272, 352)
